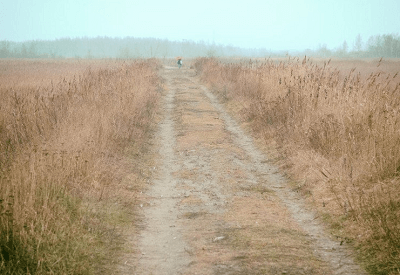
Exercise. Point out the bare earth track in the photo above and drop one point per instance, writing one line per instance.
(217, 206)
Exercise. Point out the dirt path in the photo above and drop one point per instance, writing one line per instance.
(217, 206)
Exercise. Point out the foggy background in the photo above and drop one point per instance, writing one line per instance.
(130, 47)
(130, 29)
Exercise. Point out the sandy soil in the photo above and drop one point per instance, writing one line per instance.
(216, 204)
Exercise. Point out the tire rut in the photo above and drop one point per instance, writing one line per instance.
(333, 252)
(163, 251)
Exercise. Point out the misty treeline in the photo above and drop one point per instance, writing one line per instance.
(387, 45)
(129, 47)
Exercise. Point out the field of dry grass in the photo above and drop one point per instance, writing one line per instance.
(72, 135)
(336, 126)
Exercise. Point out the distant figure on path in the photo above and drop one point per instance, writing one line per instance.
(179, 62)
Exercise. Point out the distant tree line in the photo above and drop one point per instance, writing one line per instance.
(129, 47)
(387, 45)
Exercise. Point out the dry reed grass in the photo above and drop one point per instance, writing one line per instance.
(63, 157)
(339, 134)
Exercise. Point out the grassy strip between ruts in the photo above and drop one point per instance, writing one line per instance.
(339, 137)
(70, 161)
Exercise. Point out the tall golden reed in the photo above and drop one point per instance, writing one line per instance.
(61, 146)
(340, 135)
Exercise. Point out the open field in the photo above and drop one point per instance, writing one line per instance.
(336, 129)
(130, 167)
(72, 141)
(42, 72)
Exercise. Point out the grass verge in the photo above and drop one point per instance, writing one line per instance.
(70, 162)
(339, 138)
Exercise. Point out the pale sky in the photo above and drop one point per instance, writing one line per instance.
(270, 24)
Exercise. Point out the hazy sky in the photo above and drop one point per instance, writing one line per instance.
(270, 24)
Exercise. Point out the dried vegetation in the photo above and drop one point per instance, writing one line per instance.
(71, 137)
(338, 130)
